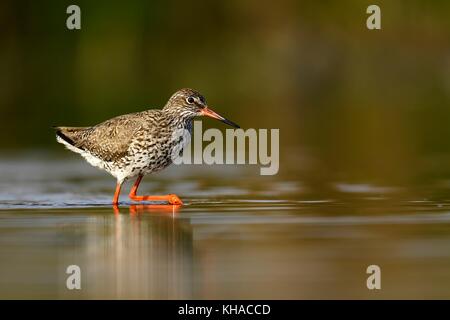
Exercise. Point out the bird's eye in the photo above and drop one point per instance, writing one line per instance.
(190, 100)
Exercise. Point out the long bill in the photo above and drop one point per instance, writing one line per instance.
(209, 113)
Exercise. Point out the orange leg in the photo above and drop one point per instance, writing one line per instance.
(171, 198)
(116, 194)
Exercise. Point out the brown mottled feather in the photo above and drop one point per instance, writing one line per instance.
(137, 143)
(110, 139)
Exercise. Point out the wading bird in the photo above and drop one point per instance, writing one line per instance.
(137, 144)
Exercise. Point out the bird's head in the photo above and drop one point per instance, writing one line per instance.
(190, 103)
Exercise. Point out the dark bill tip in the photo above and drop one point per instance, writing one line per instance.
(230, 123)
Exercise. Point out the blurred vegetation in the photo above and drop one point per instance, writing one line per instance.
(373, 103)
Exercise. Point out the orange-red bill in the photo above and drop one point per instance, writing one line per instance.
(209, 113)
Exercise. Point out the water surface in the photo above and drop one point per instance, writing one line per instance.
(239, 236)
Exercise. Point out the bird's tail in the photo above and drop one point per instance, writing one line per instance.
(71, 135)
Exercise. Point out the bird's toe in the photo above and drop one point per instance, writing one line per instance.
(175, 200)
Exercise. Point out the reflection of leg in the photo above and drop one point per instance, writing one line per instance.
(154, 208)
(171, 198)
(117, 193)
(133, 209)
(116, 209)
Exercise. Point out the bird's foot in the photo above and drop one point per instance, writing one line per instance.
(173, 199)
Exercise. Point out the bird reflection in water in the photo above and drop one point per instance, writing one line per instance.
(145, 254)
(135, 209)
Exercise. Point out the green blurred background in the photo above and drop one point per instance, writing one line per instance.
(366, 105)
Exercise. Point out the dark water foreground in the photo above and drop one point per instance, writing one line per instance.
(236, 237)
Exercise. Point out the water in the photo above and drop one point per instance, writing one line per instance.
(239, 236)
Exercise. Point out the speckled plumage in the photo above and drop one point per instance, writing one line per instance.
(132, 144)
(138, 143)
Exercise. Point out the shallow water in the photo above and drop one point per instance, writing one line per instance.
(238, 236)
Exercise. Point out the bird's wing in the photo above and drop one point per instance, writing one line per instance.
(110, 140)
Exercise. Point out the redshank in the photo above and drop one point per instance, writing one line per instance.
(137, 144)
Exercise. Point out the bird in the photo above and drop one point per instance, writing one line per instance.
(137, 144)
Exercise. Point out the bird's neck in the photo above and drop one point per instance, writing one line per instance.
(179, 118)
